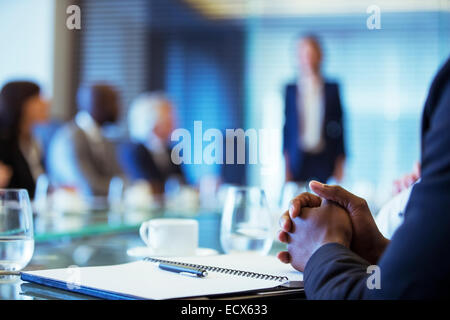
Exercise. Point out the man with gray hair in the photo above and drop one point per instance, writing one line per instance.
(147, 155)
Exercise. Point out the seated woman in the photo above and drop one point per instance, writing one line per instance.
(21, 161)
(147, 155)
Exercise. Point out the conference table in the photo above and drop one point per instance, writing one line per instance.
(97, 238)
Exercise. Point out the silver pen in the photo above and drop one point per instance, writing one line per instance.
(186, 270)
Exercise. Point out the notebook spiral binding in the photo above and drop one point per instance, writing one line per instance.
(235, 272)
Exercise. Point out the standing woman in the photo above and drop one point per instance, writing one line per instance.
(21, 107)
(313, 132)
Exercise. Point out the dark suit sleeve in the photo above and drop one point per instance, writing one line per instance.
(135, 160)
(335, 272)
(286, 135)
(178, 171)
(334, 129)
(416, 264)
(340, 120)
(4, 152)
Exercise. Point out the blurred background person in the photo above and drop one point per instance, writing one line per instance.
(21, 160)
(313, 140)
(80, 156)
(147, 156)
(407, 180)
(391, 214)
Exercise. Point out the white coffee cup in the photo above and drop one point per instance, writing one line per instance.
(170, 237)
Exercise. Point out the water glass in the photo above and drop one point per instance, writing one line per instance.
(16, 229)
(247, 224)
(290, 191)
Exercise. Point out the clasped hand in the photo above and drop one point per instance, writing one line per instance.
(334, 215)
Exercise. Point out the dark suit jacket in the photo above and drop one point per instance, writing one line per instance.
(138, 164)
(319, 166)
(416, 264)
(11, 155)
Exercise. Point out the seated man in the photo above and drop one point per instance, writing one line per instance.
(79, 155)
(335, 250)
(391, 214)
(147, 156)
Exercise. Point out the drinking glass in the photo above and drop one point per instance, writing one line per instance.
(290, 191)
(16, 229)
(115, 194)
(247, 225)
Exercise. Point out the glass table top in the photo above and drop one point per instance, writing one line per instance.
(52, 226)
(95, 239)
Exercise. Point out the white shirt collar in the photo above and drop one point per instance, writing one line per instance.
(155, 144)
(86, 123)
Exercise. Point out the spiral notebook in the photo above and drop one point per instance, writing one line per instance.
(227, 274)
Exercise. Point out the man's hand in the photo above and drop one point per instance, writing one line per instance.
(408, 180)
(316, 227)
(287, 172)
(305, 199)
(5, 175)
(367, 240)
(338, 172)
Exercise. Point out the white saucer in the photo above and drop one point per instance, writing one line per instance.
(141, 252)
